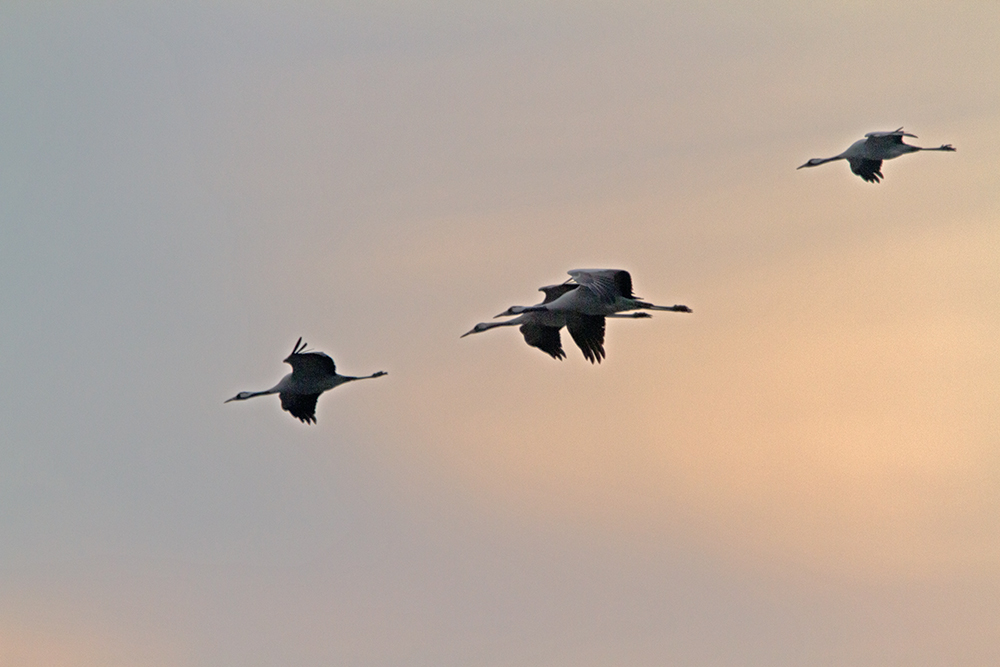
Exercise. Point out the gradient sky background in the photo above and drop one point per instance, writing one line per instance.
(805, 471)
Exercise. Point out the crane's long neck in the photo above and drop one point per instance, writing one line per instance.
(244, 395)
(817, 161)
(485, 326)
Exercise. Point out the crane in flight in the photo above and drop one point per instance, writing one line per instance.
(596, 292)
(541, 329)
(865, 155)
(312, 374)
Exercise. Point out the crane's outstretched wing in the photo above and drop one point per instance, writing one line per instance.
(588, 333)
(869, 170)
(894, 137)
(553, 292)
(607, 284)
(546, 339)
(311, 364)
(877, 143)
(302, 406)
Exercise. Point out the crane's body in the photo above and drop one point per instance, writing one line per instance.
(865, 156)
(312, 374)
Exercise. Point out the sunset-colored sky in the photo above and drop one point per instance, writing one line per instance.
(804, 471)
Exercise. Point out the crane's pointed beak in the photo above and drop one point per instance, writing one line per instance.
(467, 333)
(805, 165)
(229, 400)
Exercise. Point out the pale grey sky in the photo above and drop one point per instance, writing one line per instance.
(804, 471)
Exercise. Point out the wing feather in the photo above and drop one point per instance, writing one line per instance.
(896, 136)
(588, 333)
(301, 406)
(546, 339)
(623, 282)
(311, 364)
(553, 292)
(869, 170)
(606, 284)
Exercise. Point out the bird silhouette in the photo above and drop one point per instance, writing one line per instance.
(541, 329)
(865, 155)
(312, 374)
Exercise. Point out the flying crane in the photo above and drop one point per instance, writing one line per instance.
(312, 374)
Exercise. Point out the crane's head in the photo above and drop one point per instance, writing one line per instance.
(815, 162)
(479, 328)
(242, 396)
(517, 310)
